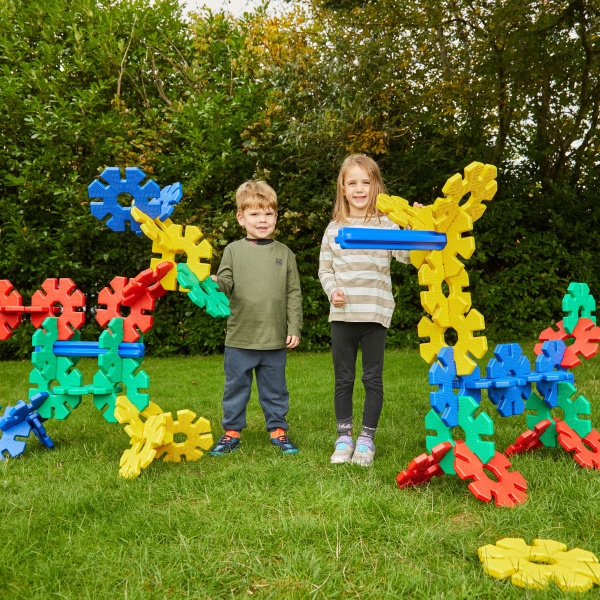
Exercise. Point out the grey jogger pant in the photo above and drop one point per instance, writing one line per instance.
(269, 366)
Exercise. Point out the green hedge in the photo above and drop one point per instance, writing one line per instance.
(213, 101)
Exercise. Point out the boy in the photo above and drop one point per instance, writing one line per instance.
(260, 277)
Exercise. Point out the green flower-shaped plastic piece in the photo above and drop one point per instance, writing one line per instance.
(204, 294)
(473, 427)
(577, 303)
(572, 409)
(115, 370)
(49, 368)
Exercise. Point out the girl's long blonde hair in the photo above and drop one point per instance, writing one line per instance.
(341, 208)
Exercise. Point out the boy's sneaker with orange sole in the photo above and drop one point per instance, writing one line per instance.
(283, 442)
(228, 442)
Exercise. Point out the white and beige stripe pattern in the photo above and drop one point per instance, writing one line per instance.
(362, 275)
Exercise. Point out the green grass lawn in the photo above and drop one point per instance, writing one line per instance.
(261, 524)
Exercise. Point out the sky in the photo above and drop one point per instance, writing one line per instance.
(235, 7)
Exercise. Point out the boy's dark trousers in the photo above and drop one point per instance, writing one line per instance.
(269, 366)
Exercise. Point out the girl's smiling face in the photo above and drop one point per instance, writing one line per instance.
(357, 184)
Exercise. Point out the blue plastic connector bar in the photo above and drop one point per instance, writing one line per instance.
(92, 349)
(368, 238)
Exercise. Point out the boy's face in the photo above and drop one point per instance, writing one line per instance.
(259, 223)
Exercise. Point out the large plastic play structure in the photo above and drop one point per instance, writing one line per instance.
(438, 238)
(119, 388)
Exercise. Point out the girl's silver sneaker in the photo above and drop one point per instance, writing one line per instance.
(344, 450)
(364, 453)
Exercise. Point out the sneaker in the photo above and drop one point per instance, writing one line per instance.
(344, 449)
(282, 441)
(364, 453)
(227, 443)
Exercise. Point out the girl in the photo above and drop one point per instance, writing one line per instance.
(359, 288)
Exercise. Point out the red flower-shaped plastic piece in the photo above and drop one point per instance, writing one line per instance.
(529, 440)
(146, 282)
(585, 336)
(62, 292)
(587, 450)
(508, 489)
(425, 467)
(139, 295)
(9, 299)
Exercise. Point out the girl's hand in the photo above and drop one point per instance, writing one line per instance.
(417, 205)
(292, 341)
(214, 278)
(338, 299)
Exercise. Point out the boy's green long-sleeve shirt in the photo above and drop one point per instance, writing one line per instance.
(263, 287)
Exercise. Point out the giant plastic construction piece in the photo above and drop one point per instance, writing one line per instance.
(512, 384)
(543, 562)
(119, 388)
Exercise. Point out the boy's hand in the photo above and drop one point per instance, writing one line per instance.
(338, 299)
(292, 341)
(214, 278)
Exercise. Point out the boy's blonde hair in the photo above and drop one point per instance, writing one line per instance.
(341, 208)
(256, 194)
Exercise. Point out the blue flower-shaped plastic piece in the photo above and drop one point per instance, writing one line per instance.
(551, 356)
(40, 431)
(471, 384)
(13, 415)
(145, 197)
(169, 197)
(8, 442)
(509, 385)
(444, 401)
(19, 421)
(548, 372)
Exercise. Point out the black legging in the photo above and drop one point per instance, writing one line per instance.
(345, 340)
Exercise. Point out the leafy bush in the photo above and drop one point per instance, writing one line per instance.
(212, 101)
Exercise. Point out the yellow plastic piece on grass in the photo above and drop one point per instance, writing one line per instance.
(198, 437)
(170, 240)
(537, 565)
(197, 432)
(146, 436)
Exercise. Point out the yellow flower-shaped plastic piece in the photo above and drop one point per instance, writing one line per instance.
(143, 451)
(447, 300)
(468, 344)
(196, 433)
(198, 437)
(543, 562)
(169, 240)
(151, 410)
(146, 436)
